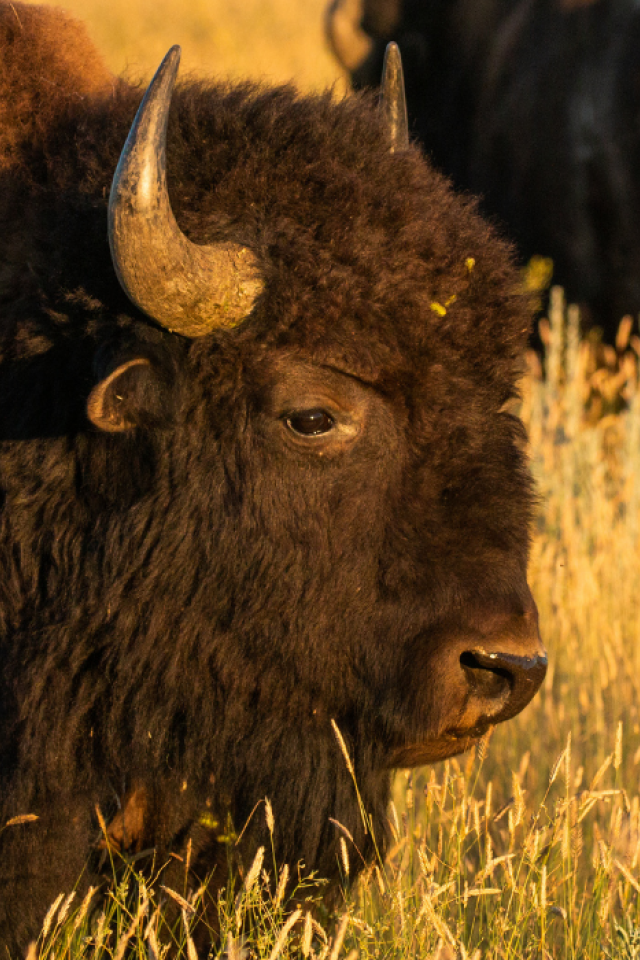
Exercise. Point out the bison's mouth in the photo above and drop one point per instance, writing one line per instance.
(441, 748)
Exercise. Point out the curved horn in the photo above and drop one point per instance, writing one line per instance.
(393, 104)
(187, 288)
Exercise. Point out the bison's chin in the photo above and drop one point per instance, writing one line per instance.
(447, 745)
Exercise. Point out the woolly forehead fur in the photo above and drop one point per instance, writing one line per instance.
(358, 247)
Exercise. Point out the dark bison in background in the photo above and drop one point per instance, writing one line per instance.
(256, 474)
(533, 105)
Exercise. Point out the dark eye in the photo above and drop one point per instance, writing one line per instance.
(310, 423)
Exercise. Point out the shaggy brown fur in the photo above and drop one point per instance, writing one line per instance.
(43, 45)
(185, 606)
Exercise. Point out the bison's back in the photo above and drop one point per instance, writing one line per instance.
(45, 58)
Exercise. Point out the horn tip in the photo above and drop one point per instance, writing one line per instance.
(172, 57)
(392, 64)
(392, 50)
(174, 50)
(393, 103)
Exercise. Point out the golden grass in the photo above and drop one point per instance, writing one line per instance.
(278, 40)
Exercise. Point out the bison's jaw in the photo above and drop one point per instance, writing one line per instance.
(419, 754)
(442, 744)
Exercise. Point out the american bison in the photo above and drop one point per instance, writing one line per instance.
(532, 104)
(256, 470)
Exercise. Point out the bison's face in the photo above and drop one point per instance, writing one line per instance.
(353, 498)
(439, 662)
(405, 586)
(353, 570)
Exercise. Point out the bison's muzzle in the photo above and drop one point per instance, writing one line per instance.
(478, 675)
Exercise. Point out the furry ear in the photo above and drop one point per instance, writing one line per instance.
(132, 395)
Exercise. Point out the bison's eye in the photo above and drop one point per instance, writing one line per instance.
(310, 423)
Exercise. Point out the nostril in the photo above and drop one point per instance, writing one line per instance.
(502, 683)
(488, 680)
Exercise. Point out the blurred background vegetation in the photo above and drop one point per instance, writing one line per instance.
(278, 40)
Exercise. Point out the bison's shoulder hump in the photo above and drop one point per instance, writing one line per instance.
(46, 59)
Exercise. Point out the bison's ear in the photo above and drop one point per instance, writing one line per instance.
(131, 395)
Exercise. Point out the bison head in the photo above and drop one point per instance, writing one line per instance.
(343, 448)
(276, 484)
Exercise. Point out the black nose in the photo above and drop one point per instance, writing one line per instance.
(502, 681)
(502, 666)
